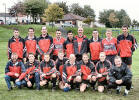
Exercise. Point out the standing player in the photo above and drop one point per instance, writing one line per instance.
(58, 42)
(126, 46)
(30, 43)
(109, 46)
(80, 45)
(102, 70)
(17, 45)
(44, 43)
(95, 46)
(69, 44)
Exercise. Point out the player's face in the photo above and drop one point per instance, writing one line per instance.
(61, 56)
(85, 58)
(102, 57)
(95, 34)
(46, 58)
(31, 58)
(125, 30)
(80, 32)
(14, 57)
(44, 30)
(72, 58)
(70, 35)
(118, 62)
(108, 34)
(58, 34)
(16, 33)
(31, 32)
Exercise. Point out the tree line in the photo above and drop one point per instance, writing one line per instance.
(47, 11)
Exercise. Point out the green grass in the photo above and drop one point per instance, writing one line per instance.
(47, 94)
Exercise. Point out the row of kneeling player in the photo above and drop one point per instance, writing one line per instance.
(68, 73)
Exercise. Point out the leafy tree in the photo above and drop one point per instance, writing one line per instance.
(112, 19)
(88, 20)
(76, 9)
(35, 8)
(53, 13)
(88, 11)
(64, 6)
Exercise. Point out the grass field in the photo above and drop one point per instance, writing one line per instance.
(47, 94)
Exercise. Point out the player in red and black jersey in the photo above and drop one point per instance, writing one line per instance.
(48, 72)
(61, 60)
(88, 72)
(95, 46)
(126, 46)
(102, 70)
(71, 73)
(14, 71)
(44, 43)
(80, 44)
(58, 42)
(31, 75)
(110, 46)
(17, 45)
(69, 44)
(31, 43)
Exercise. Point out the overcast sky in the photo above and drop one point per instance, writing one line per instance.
(130, 6)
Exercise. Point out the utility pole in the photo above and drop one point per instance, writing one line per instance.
(5, 11)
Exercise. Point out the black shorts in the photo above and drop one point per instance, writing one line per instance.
(85, 81)
(127, 60)
(103, 83)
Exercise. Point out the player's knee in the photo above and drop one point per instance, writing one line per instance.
(53, 75)
(78, 79)
(100, 89)
(82, 87)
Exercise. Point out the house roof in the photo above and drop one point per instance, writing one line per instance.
(3, 15)
(71, 16)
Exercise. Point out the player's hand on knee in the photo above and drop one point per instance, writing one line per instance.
(29, 84)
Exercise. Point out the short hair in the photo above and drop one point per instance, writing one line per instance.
(14, 53)
(117, 57)
(125, 26)
(61, 51)
(70, 31)
(109, 30)
(31, 54)
(15, 29)
(43, 26)
(84, 54)
(95, 30)
(102, 53)
(30, 28)
(58, 30)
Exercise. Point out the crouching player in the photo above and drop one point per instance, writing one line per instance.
(59, 66)
(120, 75)
(71, 74)
(48, 72)
(14, 71)
(102, 70)
(31, 75)
(88, 72)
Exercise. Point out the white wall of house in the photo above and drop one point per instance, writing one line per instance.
(79, 23)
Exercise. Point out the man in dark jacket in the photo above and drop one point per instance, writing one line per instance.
(80, 44)
(120, 75)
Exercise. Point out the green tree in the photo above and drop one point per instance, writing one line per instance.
(64, 6)
(35, 8)
(88, 12)
(76, 9)
(88, 20)
(112, 19)
(53, 13)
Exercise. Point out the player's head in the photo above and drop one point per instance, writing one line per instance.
(16, 32)
(46, 57)
(102, 56)
(85, 58)
(72, 58)
(14, 56)
(61, 55)
(31, 57)
(44, 30)
(108, 33)
(80, 31)
(125, 29)
(95, 33)
(117, 61)
(70, 34)
(31, 31)
(58, 33)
